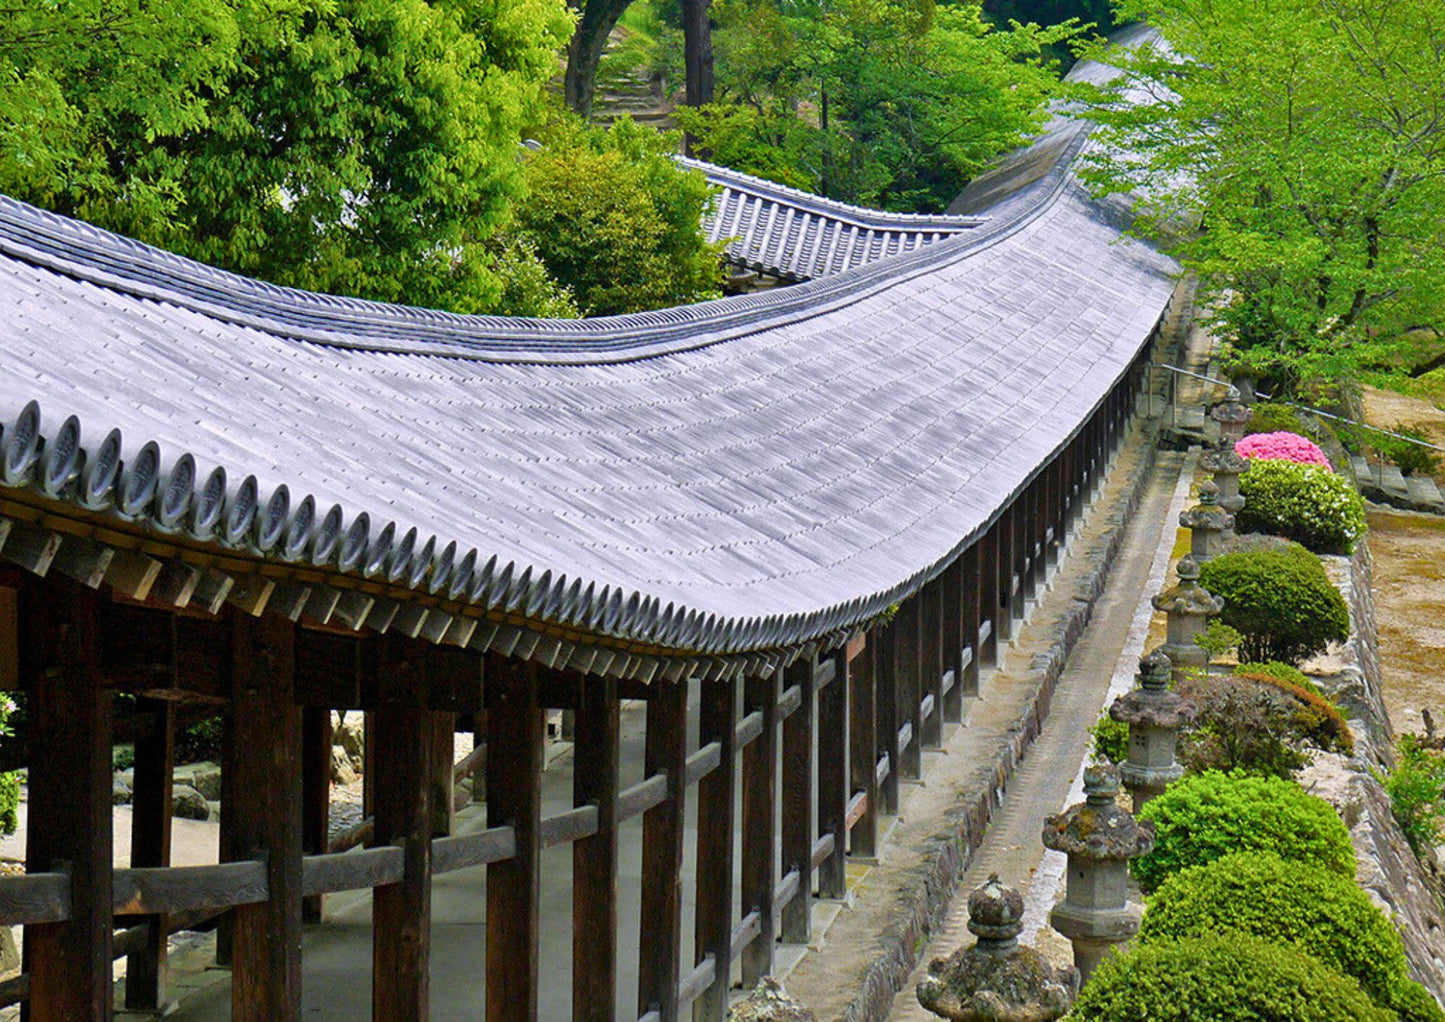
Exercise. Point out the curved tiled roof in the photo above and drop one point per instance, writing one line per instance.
(795, 236)
(748, 474)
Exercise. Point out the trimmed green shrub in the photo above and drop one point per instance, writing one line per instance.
(1413, 1003)
(1111, 739)
(1274, 418)
(1280, 600)
(1314, 911)
(1306, 503)
(1317, 720)
(1410, 458)
(1221, 979)
(1283, 671)
(1201, 818)
(1241, 725)
(1415, 788)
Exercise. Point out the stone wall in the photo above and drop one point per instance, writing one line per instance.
(1411, 891)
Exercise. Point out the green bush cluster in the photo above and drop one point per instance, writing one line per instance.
(1280, 600)
(1111, 739)
(1314, 911)
(1306, 503)
(1272, 417)
(1241, 725)
(1281, 670)
(1411, 458)
(1206, 816)
(9, 782)
(1221, 979)
(200, 741)
(1415, 788)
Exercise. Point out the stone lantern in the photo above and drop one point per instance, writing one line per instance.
(1207, 523)
(1154, 715)
(1226, 467)
(1232, 415)
(1099, 838)
(1189, 606)
(769, 1002)
(997, 979)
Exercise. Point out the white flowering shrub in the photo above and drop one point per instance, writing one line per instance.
(1306, 503)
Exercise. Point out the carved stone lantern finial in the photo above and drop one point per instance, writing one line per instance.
(1099, 838)
(1188, 606)
(1207, 523)
(997, 979)
(1232, 415)
(1154, 715)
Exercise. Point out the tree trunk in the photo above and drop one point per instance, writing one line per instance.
(596, 20)
(697, 52)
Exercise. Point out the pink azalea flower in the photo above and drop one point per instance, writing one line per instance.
(1282, 447)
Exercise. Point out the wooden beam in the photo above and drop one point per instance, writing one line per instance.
(9, 638)
(315, 793)
(760, 837)
(401, 912)
(664, 755)
(150, 846)
(863, 750)
(333, 670)
(266, 790)
(833, 786)
(514, 799)
(798, 797)
(716, 814)
(30, 547)
(83, 560)
(134, 575)
(594, 858)
(443, 733)
(69, 830)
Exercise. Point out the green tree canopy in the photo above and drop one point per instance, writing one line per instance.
(1293, 152)
(363, 147)
(889, 103)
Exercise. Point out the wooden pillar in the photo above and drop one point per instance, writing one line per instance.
(594, 858)
(368, 763)
(799, 800)
(715, 833)
(227, 846)
(885, 710)
(970, 590)
(479, 771)
(150, 845)
(952, 639)
(443, 760)
(515, 734)
(69, 829)
(660, 936)
(833, 780)
(1003, 618)
(1021, 544)
(401, 912)
(988, 583)
(266, 958)
(315, 793)
(759, 822)
(908, 654)
(931, 660)
(863, 745)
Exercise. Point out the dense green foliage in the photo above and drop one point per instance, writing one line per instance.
(887, 103)
(1111, 739)
(1306, 503)
(1417, 793)
(1243, 725)
(364, 147)
(612, 214)
(1221, 979)
(200, 741)
(1271, 417)
(9, 781)
(1412, 458)
(1318, 913)
(1205, 816)
(1281, 670)
(1280, 600)
(1305, 138)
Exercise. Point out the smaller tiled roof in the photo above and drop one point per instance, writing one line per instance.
(795, 236)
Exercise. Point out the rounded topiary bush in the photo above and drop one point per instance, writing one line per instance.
(1305, 503)
(1220, 978)
(1314, 911)
(1281, 446)
(1281, 602)
(1207, 816)
(1274, 418)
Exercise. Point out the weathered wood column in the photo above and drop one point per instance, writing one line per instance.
(443, 760)
(1022, 545)
(884, 665)
(909, 659)
(833, 782)
(930, 662)
(760, 836)
(515, 734)
(971, 590)
(988, 589)
(594, 858)
(1033, 543)
(401, 912)
(69, 827)
(315, 793)
(150, 845)
(863, 748)
(660, 935)
(716, 817)
(1003, 624)
(955, 647)
(798, 800)
(266, 762)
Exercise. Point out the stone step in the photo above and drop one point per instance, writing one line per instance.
(1425, 494)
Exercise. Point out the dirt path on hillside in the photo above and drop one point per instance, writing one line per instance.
(1409, 584)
